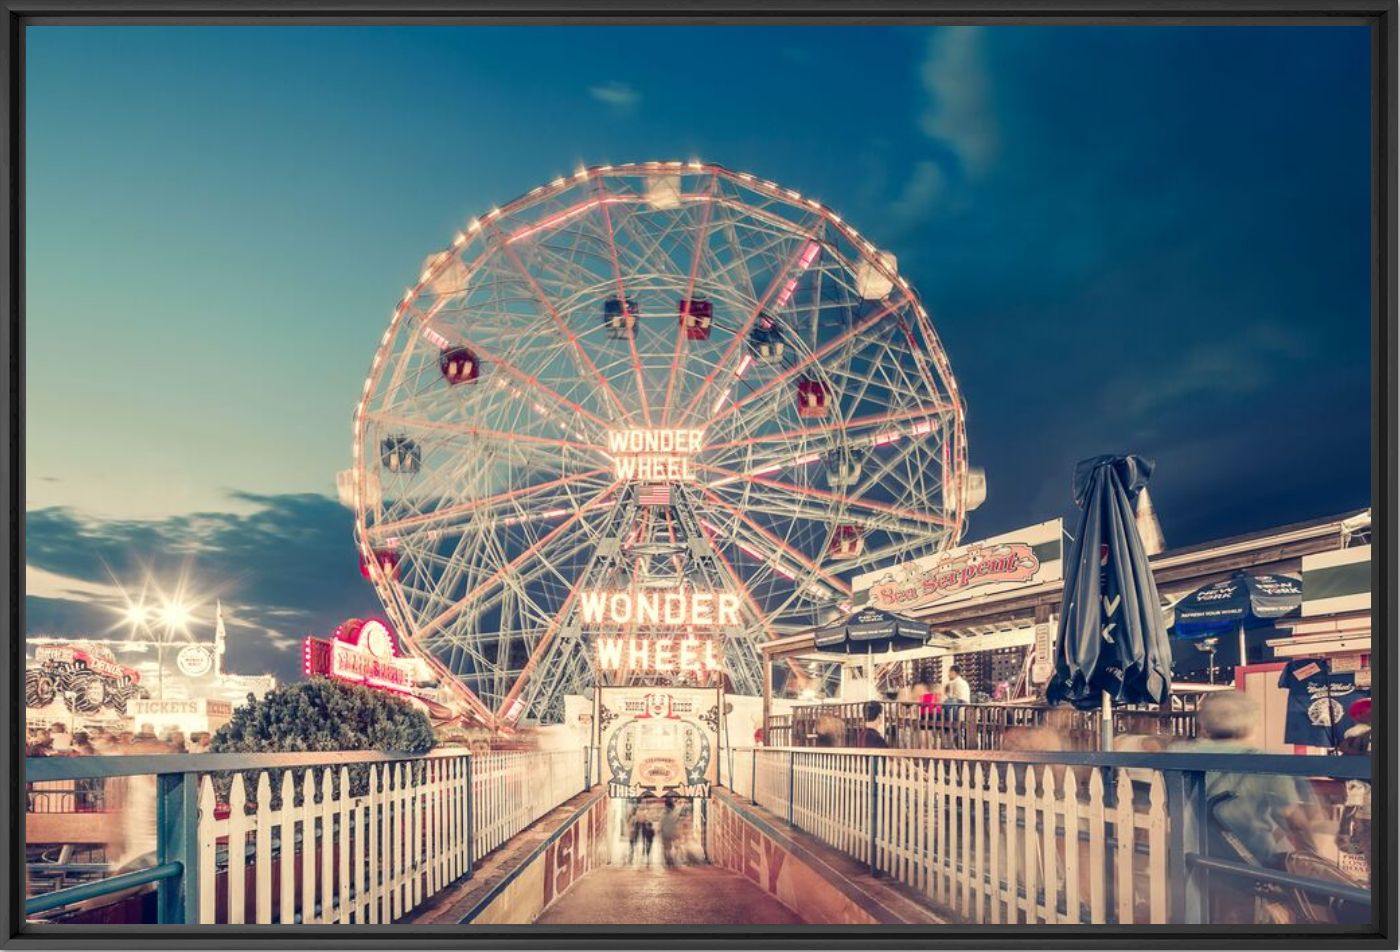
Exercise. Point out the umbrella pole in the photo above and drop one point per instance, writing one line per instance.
(1244, 657)
(1106, 723)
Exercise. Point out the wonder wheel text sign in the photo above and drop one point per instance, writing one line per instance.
(688, 609)
(654, 456)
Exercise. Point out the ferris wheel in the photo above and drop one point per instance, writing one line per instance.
(660, 376)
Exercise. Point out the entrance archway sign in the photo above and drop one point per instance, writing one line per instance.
(658, 741)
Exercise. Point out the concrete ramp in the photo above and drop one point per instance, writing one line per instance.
(677, 895)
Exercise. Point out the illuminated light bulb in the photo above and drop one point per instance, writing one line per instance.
(474, 225)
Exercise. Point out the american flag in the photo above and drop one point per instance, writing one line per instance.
(654, 496)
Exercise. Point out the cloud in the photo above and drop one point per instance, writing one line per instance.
(284, 569)
(1231, 366)
(617, 94)
(958, 111)
(921, 191)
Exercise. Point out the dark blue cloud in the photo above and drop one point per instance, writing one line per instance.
(284, 570)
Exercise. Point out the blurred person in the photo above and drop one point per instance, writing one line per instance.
(199, 742)
(82, 744)
(1354, 826)
(61, 739)
(669, 827)
(873, 733)
(831, 732)
(633, 823)
(648, 836)
(1261, 819)
(139, 811)
(957, 690)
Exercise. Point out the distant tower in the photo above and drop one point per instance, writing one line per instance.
(1149, 529)
(220, 638)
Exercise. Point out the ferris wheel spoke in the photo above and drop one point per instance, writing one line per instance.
(582, 355)
(775, 285)
(483, 433)
(528, 380)
(820, 353)
(449, 513)
(774, 541)
(426, 631)
(845, 502)
(697, 255)
(622, 298)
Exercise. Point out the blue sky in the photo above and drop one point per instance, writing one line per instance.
(1142, 239)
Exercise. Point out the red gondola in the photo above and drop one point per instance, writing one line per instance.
(459, 365)
(846, 543)
(387, 560)
(813, 398)
(697, 317)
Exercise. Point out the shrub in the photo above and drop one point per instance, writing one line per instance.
(322, 715)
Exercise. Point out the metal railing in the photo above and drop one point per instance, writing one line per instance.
(909, 726)
(323, 837)
(1031, 837)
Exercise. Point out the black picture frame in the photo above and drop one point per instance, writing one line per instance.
(1379, 15)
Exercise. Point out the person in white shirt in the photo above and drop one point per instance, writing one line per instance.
(958, 690)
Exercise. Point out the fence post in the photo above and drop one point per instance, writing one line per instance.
(874, 810)
(1187, 834)
(471, 816)
(177, 841)
(792, 774)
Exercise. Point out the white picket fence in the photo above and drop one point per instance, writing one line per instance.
(511, 790)
(327, 855)
(992, 842)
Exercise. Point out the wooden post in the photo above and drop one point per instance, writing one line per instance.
(766, 664)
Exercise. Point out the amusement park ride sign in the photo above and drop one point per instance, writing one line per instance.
(647, 609)
(654, 456)
(1028, 556)
(660, 607)
(364, 652)
(659, 740)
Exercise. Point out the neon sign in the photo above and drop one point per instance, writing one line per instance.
(363, 652)
(653, 455)
(659, 656)
(669, 608)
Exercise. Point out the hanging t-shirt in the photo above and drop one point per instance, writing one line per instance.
(1318, 700)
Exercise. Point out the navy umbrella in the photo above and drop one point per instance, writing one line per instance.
(1112, 644)
(870, 630)
(1222, 607)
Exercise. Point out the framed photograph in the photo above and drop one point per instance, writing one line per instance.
(758, 477)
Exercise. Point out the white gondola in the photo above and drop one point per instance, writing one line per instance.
(871, 283)
(663, 192)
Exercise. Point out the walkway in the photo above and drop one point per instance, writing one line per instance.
(674, 895)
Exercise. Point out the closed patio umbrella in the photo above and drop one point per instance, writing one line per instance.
(1112, 645)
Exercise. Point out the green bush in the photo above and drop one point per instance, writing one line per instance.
(321, 715)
